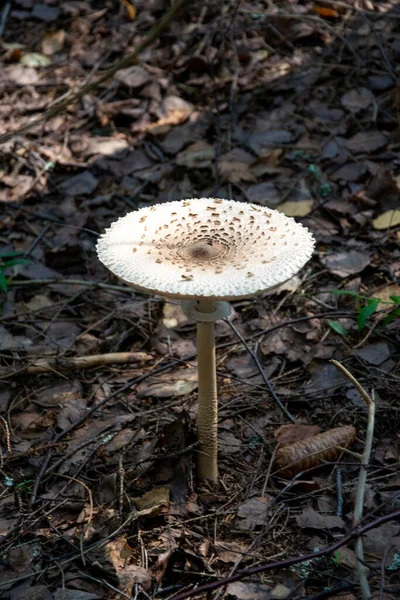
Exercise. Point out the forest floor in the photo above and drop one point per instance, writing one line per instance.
(290, 105)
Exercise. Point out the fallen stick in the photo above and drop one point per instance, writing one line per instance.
(46, 365)
(288, 562)
(362, 479)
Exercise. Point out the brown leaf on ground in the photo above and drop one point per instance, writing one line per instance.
(133, 77)
(310, 519)
(153, 499)
(132, 575)
(53, 42)
(312, 452)
(198, 156)
(366, 141)
(288, 434)
(84, 183)
(229, 552)
(249, 591)
(345, 263)
(357, 99)
(253, 513)
(374, 354)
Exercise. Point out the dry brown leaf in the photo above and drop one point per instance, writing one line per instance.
(288, 434)
(235, 172)
(384, 294)
(389, 218)
(311, 452)
(130, 9)
(53, 42)
(292, 208)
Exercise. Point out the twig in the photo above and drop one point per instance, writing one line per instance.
(126, 61)
(4, 17)
(8, 436)
(261, 371)
(45, 365)
(354, 533)
(87, 283)
(327, 315)
(339, 492)
(360, 494)
(90, 515)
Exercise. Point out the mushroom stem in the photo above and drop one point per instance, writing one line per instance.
(206, 311)
(207, 416)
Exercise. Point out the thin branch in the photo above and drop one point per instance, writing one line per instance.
(46, 365)
(353, 534)
(83, 282)
(261, 371)
(362, 480)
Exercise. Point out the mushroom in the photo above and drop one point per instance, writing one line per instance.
(205, 252)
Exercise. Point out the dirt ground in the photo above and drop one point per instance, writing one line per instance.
(291, 105)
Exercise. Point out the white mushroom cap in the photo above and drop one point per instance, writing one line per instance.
(205, 248)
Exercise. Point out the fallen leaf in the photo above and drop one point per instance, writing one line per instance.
(248, 590)
(287, 434)
(106, 146)
(34, 59)
(266, 139)
(83, 183)
(390, 218)
(234, 171)
(345, 263)
(374, 354)
(133, 77)
(153, 499)
(357, 99)
(170, 385)
(228, 443)
(325, 12)
(384, 294)
(351, 171)
(366, 141)
(53, 42)
(264, 193)
(44, 12)
(11, 342)
(198, 156)
(174, 316)
(313, 451)
(310, 519)
(130, 9)
(72, 412)
(253, 513)
(229, 552)
(132, 575)
(59, 394)
(296, 209)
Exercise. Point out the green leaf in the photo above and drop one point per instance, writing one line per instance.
(3, 282)
(349, 293)
(10, 254)
(16, 261)
(391, 316)
(337, 327)
(395, 299)
(367, 312)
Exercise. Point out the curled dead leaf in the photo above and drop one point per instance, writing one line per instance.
(311, 452)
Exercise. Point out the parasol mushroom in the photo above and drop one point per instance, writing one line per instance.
(205, 252)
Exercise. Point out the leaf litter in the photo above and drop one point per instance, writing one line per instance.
(101, 485)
